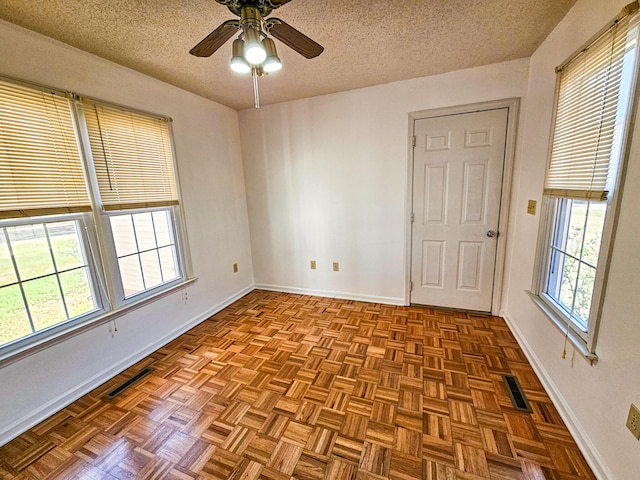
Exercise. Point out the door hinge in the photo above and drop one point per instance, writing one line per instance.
(413, 141)
(413, 217)
(411, 286)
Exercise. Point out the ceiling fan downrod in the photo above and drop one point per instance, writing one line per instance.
(253, 51)
(256, 93)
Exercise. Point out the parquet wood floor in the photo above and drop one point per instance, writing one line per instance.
(280, 387)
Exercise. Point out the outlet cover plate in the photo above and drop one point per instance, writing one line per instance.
(531, 207)
(633, 421)
(313, 264)
(336, 267)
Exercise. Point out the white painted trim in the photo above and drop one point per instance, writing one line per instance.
(513, 108)
(580, 435)
(408, 210)
(555, 316)
(55, 405)
(331, 294)
(31, 346)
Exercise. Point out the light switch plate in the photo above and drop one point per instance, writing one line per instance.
(633, 421)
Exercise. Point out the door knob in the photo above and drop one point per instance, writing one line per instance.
(491, 233)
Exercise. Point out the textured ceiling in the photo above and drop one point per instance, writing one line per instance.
(367, 42)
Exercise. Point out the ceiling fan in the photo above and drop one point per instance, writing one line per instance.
(253, 51)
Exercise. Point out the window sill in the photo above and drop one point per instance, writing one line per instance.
(576, 340)
(20, 350)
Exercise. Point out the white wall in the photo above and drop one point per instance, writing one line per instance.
(595, 399)
(327, 177)
(207, 142)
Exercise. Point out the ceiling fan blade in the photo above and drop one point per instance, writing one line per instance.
(215, 39)
(293, 38)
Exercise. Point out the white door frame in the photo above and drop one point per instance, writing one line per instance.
(513, 106)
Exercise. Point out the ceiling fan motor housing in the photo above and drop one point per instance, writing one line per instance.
(264, 7)
(255, 30)
(250, 17)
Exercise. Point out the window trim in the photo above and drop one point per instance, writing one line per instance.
(585, 343)
(21, 348)
(101, 217)
(576, 340)
(109, 259)
(98, 243)
(93, 274)
(120, 299)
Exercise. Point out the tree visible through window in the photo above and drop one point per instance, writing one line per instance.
(574, 256)
(595, 91)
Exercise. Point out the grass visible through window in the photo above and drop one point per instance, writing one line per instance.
(51, 284)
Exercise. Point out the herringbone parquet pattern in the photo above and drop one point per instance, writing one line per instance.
(280, 387)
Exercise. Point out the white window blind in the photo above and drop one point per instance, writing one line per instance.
(41, 171)
(589, 119)
(132, 158)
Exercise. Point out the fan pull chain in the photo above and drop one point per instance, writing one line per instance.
(256, 93)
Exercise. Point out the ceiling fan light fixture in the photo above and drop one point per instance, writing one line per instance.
(272, 62)
(271, 65)
(238, 64)
(254, 52)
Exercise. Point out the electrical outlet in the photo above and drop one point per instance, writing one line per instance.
(336, 267)
(531, 207)
(235, 268)
(313, 264)
(633, 421)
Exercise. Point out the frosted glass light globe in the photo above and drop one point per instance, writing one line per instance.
(254, 53)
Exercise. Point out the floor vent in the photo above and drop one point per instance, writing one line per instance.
(121, 388)
(515, 392)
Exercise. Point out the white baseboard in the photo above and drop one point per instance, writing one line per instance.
(580, 435)
(331, 294)
(55, 405)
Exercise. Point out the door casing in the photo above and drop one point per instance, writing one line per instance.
(513, 106)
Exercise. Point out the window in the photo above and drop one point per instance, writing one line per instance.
(146, 250)
(574, 250)
(83, 184)
(594, 95)
(45, 279)
(133, 164)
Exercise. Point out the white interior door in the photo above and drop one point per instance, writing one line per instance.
(458, 163)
